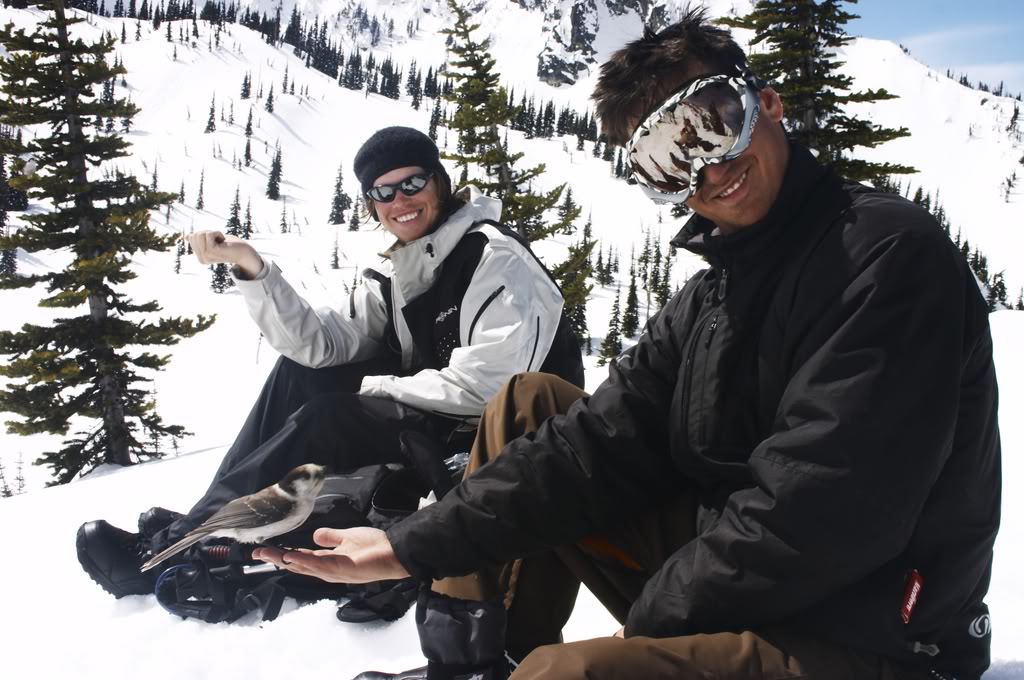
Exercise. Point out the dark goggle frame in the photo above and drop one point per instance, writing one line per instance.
(746, 85)
(410, 186)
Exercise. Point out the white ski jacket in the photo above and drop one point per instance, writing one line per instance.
(507, 322)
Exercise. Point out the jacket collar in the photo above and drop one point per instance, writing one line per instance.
(416, 263)
(699, 234)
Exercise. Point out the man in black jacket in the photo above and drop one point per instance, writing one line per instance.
(794, 473)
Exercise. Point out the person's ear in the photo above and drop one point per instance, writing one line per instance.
(771, 104)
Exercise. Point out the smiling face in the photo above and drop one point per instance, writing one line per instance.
(738, 193)
(408, 217)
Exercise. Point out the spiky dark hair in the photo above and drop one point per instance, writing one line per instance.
(645, 71)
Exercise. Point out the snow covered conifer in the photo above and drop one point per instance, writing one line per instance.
(200, 203)
(269, 105)
(211, 120)
(234, 223)
(631, 315)
(572, 275)
(274, 178)
(341, 201)
(247, 225)
(5, 489)
(612, 345)
(802, 37)
(220, 280)
(482, 107)
(78, 366)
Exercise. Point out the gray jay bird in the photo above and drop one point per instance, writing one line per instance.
(255, 518)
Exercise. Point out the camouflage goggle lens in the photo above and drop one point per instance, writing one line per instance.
(708, 122)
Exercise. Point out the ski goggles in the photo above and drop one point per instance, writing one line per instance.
(709, 121)
(410, 186)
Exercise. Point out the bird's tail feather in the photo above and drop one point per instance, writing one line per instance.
(178, 547)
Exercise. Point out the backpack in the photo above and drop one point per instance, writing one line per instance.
(220, 582)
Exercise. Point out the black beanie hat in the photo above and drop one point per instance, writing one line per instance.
(395, 147)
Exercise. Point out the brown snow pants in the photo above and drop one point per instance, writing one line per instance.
(540, 590)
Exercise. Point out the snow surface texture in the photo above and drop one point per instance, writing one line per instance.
(214, 377)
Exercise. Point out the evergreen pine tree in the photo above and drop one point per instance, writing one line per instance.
(179, 252)
(8, 256)
(435, 120)
(572, 275)
(248, 124)
(220, 280)
(335, 262)
(200, 203)
(181, 192)
(612, 345)
(211, 120)
(5, 489)
(78, 367)
(234, 223)
(568, 211)
(802, 38)
(353, 223)
(274, 179)
(341, 201)
(631, 315)
(19, 477)
(247, 155)
(1020, 300)
(269, 105)
(663, 293)
(284, 217)
(482, 107)
(997, 293)
(247, 225)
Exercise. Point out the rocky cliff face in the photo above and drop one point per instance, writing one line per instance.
(573, 25)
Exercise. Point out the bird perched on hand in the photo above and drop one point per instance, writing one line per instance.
(255, 518)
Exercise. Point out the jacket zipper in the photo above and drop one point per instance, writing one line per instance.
(489, 300)
(704, 386)
(688, 374)
(722, 289)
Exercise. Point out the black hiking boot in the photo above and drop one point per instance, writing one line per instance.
(155, 520)
(113, 557)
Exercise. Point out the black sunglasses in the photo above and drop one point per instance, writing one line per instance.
(410, 186)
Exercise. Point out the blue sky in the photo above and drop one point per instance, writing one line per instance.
(982, 38)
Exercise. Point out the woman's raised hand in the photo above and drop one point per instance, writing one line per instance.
(213, 247)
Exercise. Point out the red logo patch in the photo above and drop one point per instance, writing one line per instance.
(910, 594)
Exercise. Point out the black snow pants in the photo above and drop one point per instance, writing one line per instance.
(306, 415)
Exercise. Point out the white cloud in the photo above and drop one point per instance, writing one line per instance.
(934, 41)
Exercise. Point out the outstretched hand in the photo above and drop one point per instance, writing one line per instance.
(359, 555)
(214, 247)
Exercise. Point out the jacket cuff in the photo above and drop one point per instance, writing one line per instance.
(398, 535)
(373, 386)
(236, 273)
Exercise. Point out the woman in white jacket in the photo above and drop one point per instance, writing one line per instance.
(458, 307)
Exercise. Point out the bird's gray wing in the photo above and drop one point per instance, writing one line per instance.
(247, 512)
(183, 544)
